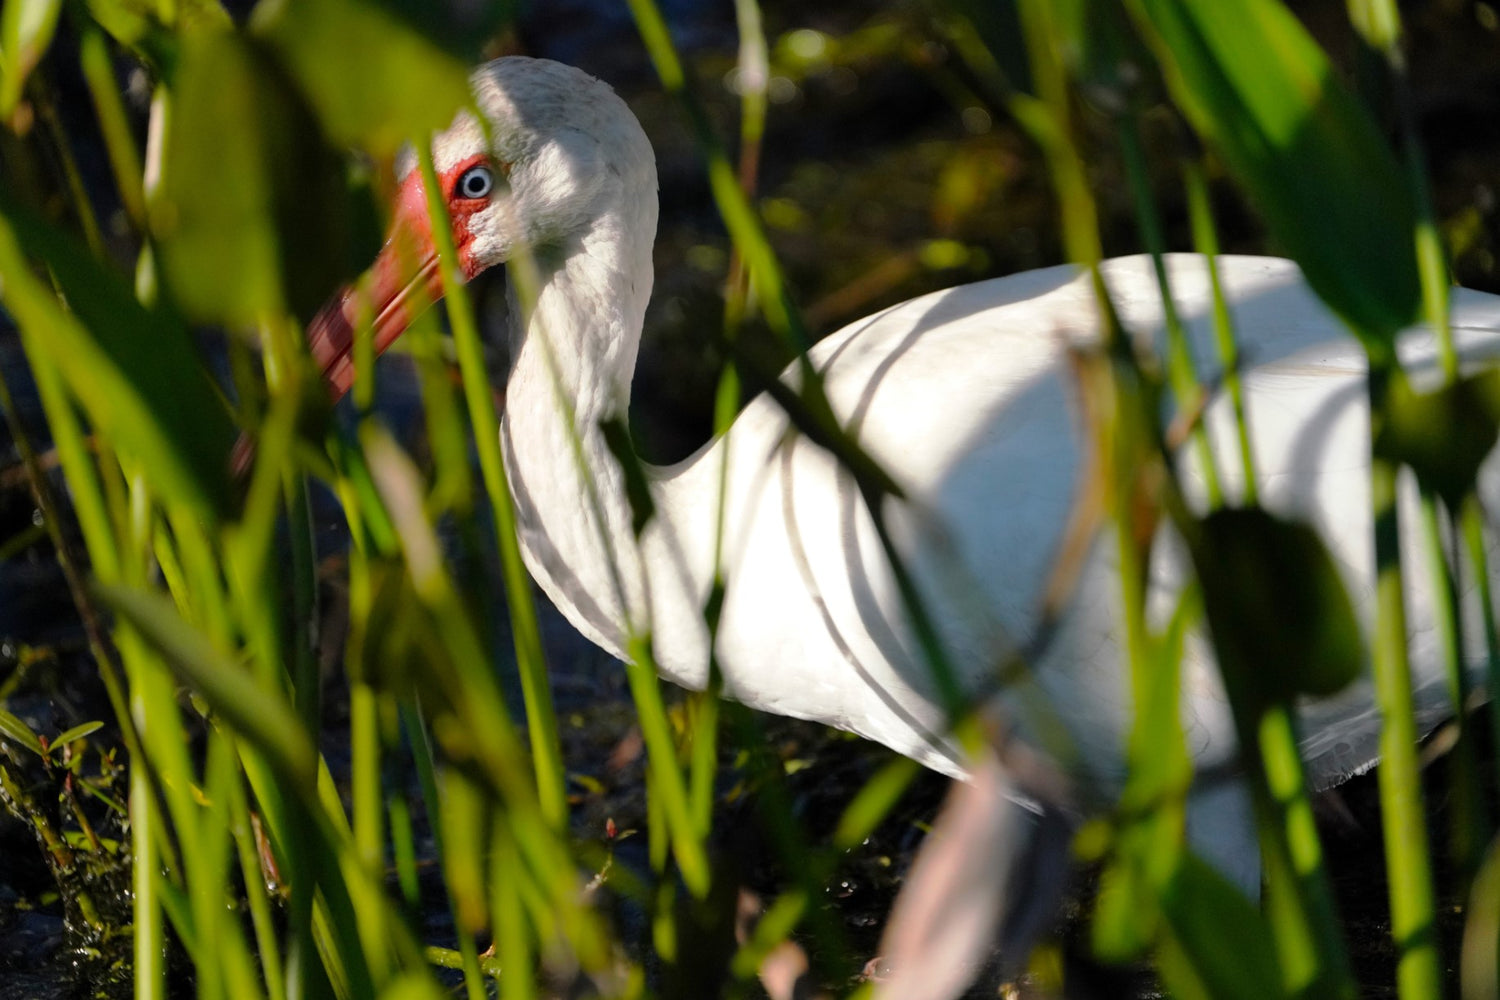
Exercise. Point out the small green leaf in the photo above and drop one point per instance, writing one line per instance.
(76, 733)
(1281, 619)
(1444, 435)
(13, 729)
(250, 211)
(374, 80)
(1259, 90)
(26, 29)
(135, 372)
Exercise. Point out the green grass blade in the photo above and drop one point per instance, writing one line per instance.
(1206, 242)
(1407, 854)
(259, 715)
(546, 749)
(1260, 91)
(150, 972)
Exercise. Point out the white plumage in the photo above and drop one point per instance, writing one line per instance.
(964, 397)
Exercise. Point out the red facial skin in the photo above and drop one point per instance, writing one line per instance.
(405, 278)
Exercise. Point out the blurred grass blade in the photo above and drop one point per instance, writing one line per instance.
(249, 209)
(1206, 242)
(264, 718)
(374, 80)
(667, 782)
(134, 372)
(114, 123)
(1262, 93)
(1479, 961)
(531, 659)
(26, 28)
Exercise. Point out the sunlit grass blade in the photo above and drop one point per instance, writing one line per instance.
(1260, 91)
(1408, 855)
(1181, 368)
(1206, 242)
(255, 712)
(551, 776)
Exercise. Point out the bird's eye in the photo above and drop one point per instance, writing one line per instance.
(476, 182)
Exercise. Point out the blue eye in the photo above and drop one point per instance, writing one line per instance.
(476, 182)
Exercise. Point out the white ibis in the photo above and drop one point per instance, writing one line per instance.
(962, 396)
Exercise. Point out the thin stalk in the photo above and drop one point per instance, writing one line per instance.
(1045, 117)
(1206, 240)
(546, 748)
(398, 814)
(465, 845)
(421, 748)
(641, 671)
(667, 780)
(1466, 825)
(225, 969)
(864, 813)
(1472, 526)
(1479, 969)
(262, 919)
(1418, 970)
(1298, 900)
(512, 937)
(1304, 920)
(1379, 25)
(1181, 370)
(810, 868)
(1308, 946)
(365, 778)
(808, 408)
(754, 76)
(83, 208)
(85, 494)
(306, 684)
(149, 973)
(483, 724)
(114, 124)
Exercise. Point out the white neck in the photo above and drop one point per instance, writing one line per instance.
(573, 359)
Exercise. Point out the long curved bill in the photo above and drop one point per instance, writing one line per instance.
(400, 285)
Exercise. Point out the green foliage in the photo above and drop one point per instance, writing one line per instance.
(26, 28)
(248, 212)
(132, 369)
(374, 82)
(248, 208)
(1260, 91)
(1274, 598)
(17, 731)
(1443, 435)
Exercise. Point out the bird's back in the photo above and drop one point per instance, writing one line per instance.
(967, 399)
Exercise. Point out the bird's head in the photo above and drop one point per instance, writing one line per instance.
(558, 164)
